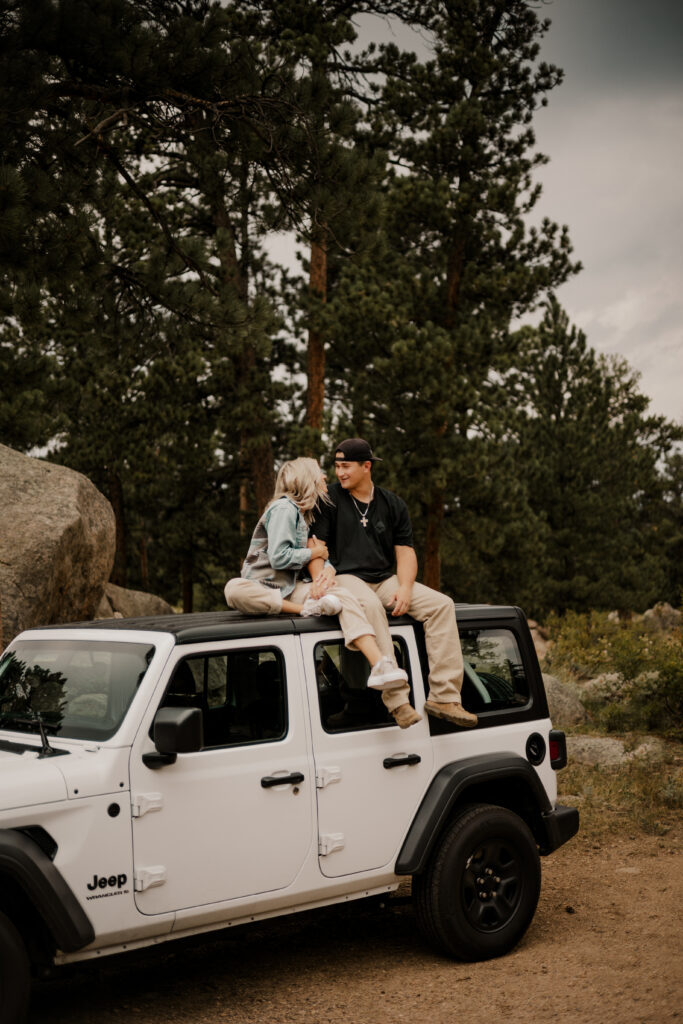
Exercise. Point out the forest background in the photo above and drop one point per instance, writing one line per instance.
(152, 151)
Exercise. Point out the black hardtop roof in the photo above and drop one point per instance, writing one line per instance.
(196, 627)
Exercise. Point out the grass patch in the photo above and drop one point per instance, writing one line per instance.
(642, 797)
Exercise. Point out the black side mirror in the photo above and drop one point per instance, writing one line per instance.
(176, 731)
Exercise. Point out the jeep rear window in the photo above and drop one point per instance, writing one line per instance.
(77, 689)
(495, 677)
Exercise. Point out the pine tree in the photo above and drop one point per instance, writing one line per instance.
(95, 96)
(590, 456)
(459, 261)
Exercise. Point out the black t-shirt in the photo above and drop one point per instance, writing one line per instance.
(363, 551)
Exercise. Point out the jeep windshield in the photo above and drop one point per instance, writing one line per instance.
(77, 689)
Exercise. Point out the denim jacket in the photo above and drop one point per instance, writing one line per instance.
(277, 552)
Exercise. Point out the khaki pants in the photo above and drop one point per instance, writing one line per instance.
(253, 598)
(435, 611)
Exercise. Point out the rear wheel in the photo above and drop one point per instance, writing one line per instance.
(15, 974)
(480, 890)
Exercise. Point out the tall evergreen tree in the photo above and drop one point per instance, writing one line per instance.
(590, 455)
(173, 111)
(460, 261)
(670, 527)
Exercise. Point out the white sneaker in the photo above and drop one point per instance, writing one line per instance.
(328, 604)
(386, 674)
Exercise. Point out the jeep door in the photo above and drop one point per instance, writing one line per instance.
(370, 775)
(216, 825)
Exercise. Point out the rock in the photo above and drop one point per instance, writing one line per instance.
(564, 702)
(130, 604)
(104, 609)
(541, 640)
(598, 688)
(594, 750)
(662, 617)
(652, 750)
(624, 616)
(607, 751)
(57, 539)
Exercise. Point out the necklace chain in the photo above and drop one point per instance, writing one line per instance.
(364, 515)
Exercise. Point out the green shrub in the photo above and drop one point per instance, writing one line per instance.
(644, 670)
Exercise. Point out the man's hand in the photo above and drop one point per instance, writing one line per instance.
(401, 600)
(406, 571)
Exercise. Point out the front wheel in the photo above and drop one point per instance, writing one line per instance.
(480, 890)
(15, 974)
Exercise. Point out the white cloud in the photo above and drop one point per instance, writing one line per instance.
(614, 178)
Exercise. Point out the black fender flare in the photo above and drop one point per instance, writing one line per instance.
(30, 867)
(447, 788)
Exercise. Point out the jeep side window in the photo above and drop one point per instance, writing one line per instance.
(495, 678)
(241, 695)
(344, 700)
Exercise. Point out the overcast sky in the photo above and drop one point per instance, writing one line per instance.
(614, 134)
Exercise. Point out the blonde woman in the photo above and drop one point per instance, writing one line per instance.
(271, 583)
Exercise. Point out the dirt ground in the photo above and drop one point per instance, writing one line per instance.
(605, 946)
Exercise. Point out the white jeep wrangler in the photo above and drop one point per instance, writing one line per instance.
(164, 777)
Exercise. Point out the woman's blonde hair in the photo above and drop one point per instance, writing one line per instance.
(302, 481)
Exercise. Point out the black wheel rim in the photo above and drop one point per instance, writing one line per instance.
(492, 885)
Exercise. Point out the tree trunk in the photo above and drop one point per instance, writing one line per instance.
(315, 362)
(431, 577)
(256, 459)
(144, 564)
(115, 495)
(435, 509)
(454, 271)
(187, 582)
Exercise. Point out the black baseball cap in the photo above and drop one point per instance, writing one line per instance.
(355, 449)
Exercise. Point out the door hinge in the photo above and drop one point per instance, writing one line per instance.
(326, 776)
(146, 878)
(144, 802)
(330, 843)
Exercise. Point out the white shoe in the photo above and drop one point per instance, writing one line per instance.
(385, 674)
(328, 604)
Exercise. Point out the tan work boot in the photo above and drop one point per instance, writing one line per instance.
(405, 716)
(453, 713)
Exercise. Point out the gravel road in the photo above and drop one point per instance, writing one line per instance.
(605, 946)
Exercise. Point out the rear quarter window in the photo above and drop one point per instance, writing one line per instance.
(495, 675)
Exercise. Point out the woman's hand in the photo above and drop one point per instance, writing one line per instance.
(323, 582)
(318, 549)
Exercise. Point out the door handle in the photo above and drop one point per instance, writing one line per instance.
(394, 762)
(268, 781)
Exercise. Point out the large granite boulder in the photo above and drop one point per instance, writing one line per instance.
(662, 617)
(57, 541)
(118, 602)
(541, 639)
(608, 751)
(564, 703)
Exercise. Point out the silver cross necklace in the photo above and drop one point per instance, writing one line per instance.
(364, 515)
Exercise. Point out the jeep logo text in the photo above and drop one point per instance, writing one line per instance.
(114, 881)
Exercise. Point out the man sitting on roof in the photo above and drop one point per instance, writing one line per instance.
(369, 536)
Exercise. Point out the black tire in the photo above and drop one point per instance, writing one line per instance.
(481, 887)
(15, 974)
